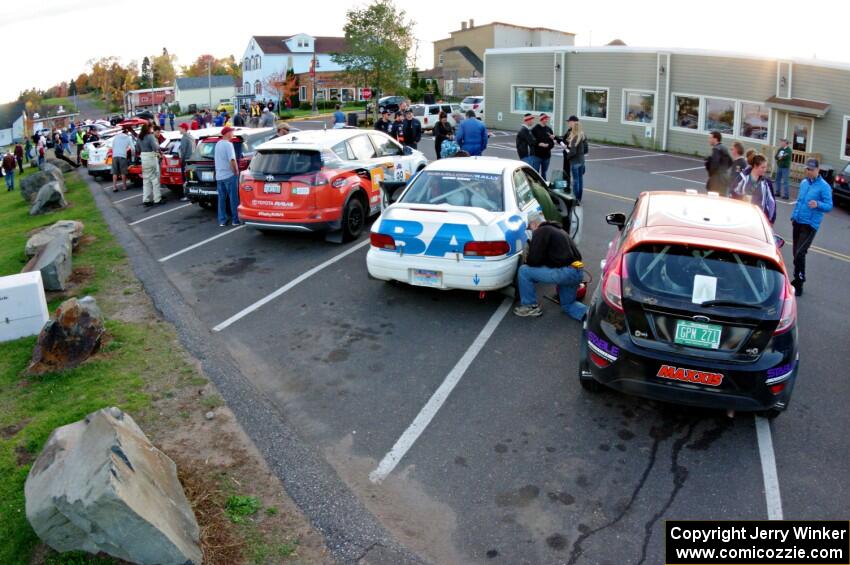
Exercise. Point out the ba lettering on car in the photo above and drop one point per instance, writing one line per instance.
(449, 238)
(690, 376)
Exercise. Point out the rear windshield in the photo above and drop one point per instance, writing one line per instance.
(458, 189)
(206, 150)
(695, 275)
(418, 110)
(286, 162)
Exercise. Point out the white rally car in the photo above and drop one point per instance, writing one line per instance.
(461, 224)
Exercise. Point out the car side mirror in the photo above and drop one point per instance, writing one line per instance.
(780, 241)
(617, 219)
(407, 150)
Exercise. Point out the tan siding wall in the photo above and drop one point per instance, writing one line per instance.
(825, 85)
(502, 71)
(615, 72)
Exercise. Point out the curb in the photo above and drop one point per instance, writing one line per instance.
(350, 531)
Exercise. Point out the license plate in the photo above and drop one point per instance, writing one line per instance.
(207, 176)
(422, 277)
(271, 188)
(696, 334)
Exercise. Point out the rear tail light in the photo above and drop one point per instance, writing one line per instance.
(426, 119)
(475, 106)
(319, 180)
(612, 286)
(776, 389)
(840, 179)
(789, 311)
(245, 180)
(382, 241)
(338, 183)
(486, 248)
(598, 360)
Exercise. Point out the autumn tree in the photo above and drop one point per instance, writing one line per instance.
(223, 66)
(163, 69)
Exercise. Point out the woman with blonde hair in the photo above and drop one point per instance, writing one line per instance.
(575, 148)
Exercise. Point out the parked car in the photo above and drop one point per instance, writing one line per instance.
(326, 181)
(99, 162)
(170, 170)
(841, 186)
(461, 224)
(474, 103)
(694, 307)
(429, 114)
(200, 184)
(390, 103)
(134, 170)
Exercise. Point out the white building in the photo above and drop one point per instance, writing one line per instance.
(202, 92)
(268, 55)
(12, 119)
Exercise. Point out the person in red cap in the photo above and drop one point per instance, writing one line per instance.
(226, 177)
(187, 147)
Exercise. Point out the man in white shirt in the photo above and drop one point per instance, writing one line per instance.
(122, 150)
(226, 178)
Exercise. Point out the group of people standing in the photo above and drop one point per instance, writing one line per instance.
(743, 175)
(535, 142)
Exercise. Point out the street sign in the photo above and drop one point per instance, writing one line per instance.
(367, 93)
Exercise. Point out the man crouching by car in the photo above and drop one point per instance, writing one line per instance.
(553, 258)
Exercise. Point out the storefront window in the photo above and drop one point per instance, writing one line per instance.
(543, 100)
(686, 111)
(594, 103)
(719, 115)
(639, 107)
(523, 99)
(754, 121)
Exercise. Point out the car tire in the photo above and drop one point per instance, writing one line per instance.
(205, 205)
(771, 413)
(353, 220)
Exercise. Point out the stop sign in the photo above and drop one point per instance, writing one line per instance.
(367, 93)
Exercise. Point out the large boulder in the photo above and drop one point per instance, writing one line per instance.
(54, 262)
(100, 485)
(49, 197)
(32, 184)
(70, 338)
(63, 166)
(41, 238)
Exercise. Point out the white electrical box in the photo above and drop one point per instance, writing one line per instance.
(23, 308)
(647, 133)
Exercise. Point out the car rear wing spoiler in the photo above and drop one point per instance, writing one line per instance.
(482, 221)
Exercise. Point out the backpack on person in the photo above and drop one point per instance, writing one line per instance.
(449, 148)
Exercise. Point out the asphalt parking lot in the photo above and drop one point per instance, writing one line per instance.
(463, 428)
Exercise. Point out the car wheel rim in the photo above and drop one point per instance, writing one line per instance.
(355, 219)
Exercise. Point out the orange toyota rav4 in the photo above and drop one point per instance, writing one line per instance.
(694, 306)
(326, 181)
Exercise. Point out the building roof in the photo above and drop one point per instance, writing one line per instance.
(274, 44)
(9, 113)
(799, 105)
(216, 81)
(514, 26)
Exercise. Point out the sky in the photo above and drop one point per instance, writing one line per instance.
(37, 35)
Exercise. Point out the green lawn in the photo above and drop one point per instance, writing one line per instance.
(30, 407)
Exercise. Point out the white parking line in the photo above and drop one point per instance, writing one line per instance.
(288, 286)
(768, 469)
(127, 198)
(145, 219)
(412, 433)
(677, 171)
(686, 180)
(630, 157)
(200, 243)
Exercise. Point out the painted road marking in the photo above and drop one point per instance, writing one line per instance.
(200, 243)
(629, 157)
(158, 215)
(768, 469)
(700, 182)
(128, 198)
(288, 286)
(677, 171)
(412, 433)
(816, 249)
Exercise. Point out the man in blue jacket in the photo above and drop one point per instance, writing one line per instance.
(472, 135)
(814, 200)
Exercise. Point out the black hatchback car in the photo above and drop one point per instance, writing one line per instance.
(694, 307)
(841, 187)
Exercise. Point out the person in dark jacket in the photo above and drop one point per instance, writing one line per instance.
(412, 130)
(525, 142)
(8, 165)
(396, 130)
(553, 258)
(783, 169)
(472, 135)
(59, 151)
(19, 156)
(383, 124)
(575, 147)
(756, 187)
(186, 148)
(442, 131)
(544, 139)
(718, 165)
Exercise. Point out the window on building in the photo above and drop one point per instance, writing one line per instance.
(719, 115)
(532, 99)
(346, 94)
(302, 93)
(259, 62)
(638, 107)
(258, 87)
(442, 60)
(247, 88)
(755, 118)
(686, 112)
(333, 93)
(245, 63)
(593, 103)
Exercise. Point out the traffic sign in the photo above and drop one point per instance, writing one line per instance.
(367, 93)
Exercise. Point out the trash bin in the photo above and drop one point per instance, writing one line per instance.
(828, 174)
(352, 119)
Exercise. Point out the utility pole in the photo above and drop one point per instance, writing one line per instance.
(313, 76)
(209, 83)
